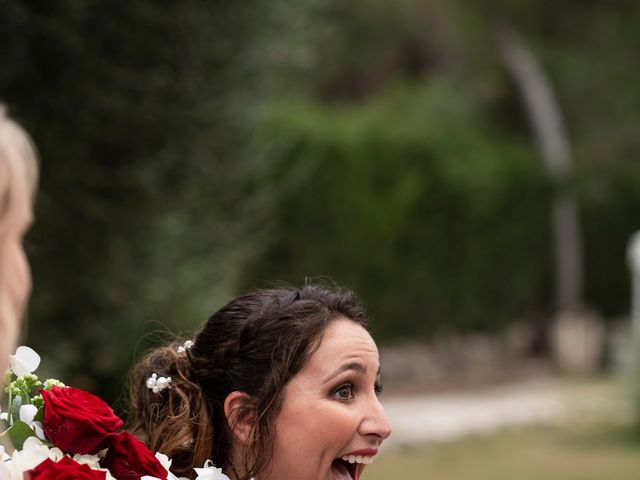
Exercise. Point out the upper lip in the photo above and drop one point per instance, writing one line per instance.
(365, 452)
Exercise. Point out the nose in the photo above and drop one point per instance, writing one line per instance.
(375, 422)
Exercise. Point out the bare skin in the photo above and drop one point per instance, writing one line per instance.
(331, 409)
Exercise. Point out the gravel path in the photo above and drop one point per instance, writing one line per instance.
(441, 417)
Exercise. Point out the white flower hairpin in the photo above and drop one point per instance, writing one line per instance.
(185, 346)
(157, 384)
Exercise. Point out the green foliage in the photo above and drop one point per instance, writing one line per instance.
(151, 193)
(408, 202)
(190, 150)
(611, 209)
(19, 432)
(429, 198)
(22, 390)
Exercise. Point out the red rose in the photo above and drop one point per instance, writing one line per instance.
(65, 469)
(129, 459)
(77, 421)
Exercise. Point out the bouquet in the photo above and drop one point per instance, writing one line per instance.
(62, 432)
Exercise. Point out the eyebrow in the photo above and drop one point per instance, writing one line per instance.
(355, 366)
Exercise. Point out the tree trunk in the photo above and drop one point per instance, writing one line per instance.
(553, 144)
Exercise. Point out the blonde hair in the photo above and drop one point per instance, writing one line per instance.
(18, 166)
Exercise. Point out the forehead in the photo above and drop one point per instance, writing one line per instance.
(343, 340)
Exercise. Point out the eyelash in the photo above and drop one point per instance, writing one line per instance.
(377, 388)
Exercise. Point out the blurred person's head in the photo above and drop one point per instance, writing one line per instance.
(279, 383)
(18, 176)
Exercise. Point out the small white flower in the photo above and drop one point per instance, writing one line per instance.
(92, 461)
(26, 360)
(210, 472)
(5, 460)
(4, 470)
(49, 383)
(27, 415)
(108, 475)
(55, 454)
(4, 415)
(166, 464)
(164, 460)
(33, 453)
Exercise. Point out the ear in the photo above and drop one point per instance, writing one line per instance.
(239, 414)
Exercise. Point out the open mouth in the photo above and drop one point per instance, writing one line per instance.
(349, 468)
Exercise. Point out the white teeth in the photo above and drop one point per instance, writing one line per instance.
(358, 459)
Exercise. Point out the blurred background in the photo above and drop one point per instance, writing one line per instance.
(470, 169)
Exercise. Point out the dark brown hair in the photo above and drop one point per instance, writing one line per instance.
(255, 344)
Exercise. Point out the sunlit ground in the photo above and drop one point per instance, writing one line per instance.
(585, 447)
(528, 453)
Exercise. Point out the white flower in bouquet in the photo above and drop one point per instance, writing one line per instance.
(166, 463)
(210, 472)
(92, 461)
(4, 456)
(33, 453)
(25, 361)
(82, 432)
(27, 415)
(4, 463)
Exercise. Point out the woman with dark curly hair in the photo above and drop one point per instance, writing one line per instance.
(278, 384)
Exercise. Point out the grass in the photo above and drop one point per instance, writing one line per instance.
(571, 452)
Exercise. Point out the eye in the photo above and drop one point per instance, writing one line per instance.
(344, 392)
(378, 388)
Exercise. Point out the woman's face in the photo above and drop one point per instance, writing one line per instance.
(331, 423)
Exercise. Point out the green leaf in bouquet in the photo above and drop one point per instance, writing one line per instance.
(40, 415)
(19, 432)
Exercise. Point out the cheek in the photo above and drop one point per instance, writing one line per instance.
(308, 439)
(322, 426)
